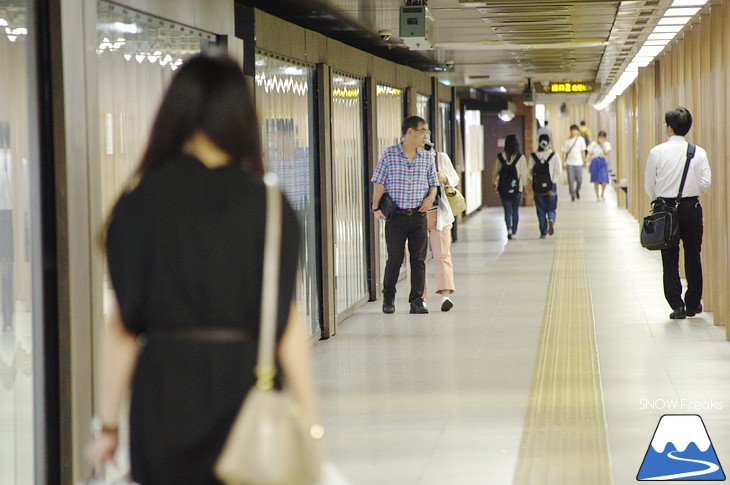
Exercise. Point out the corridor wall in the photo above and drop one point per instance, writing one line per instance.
(692, 72)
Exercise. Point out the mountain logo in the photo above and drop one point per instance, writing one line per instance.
(681, 450)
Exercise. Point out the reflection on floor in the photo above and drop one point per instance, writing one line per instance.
(442, 399)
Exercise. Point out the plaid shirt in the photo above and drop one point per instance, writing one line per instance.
(407, 182)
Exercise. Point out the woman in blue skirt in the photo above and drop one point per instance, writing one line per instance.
(597, 152)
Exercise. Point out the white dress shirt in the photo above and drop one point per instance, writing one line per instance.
(664, 169)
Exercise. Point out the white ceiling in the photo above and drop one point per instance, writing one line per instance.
(504, 42)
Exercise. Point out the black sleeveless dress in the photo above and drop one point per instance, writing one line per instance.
(185, 251)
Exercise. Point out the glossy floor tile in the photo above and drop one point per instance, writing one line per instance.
(441, 399)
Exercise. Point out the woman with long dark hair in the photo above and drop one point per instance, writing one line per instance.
(509, 176)
(185, 247)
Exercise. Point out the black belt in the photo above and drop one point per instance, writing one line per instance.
(212, 334)
(683, 199)
(408, 212)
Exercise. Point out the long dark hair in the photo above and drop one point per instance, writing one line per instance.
(511, 146)
(208, 94)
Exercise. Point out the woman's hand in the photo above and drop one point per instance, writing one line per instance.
(102, 449)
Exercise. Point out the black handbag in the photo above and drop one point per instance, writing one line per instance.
(660, 229)
(387, 206)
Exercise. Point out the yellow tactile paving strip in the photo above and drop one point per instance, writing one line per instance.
(564, 439)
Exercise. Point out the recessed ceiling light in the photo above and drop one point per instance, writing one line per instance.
(662, 36)
(674, 20)
(667, 28)
(681, 12)
(657, 42)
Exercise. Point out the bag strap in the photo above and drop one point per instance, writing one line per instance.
(436, 159)
(690, 155)
(501, 158)
(571, 147)
(536, 158)
(550, 157)
(265, 366)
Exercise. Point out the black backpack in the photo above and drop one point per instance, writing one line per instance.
(509, 181)
(542, 184)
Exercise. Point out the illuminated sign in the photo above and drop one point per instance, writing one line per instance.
(568, 87)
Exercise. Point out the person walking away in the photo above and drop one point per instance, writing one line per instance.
(406, 172)
(544, 167)
(185, 246)
(544, 130)
(440, 222)
(597, 153)
(573, 160)
(585, 132)
(509, 176)
(664, 169)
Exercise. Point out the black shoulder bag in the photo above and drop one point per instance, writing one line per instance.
(660, 229)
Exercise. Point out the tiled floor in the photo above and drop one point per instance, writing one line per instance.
(440, 399)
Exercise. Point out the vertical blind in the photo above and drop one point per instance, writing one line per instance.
(19, 246)
(390, 118)
(349, 189)
(285, 101)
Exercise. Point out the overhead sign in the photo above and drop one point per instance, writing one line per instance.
(567, 87)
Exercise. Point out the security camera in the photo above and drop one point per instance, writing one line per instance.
(385, 34)
(450, 64)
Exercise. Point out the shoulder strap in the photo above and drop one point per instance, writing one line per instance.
(690, 155)
(436, 159)
(550, 157)
(572, 146)
(536, 158)
(501, 158)
(265, 366)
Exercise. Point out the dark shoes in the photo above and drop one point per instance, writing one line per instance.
(678, 314)
(447, 305)
(691, 313)
(551, 227)
(417, 306)
(388, 303)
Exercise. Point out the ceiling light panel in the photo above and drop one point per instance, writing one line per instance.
(674, 20)
(681, 12)
(689, 3)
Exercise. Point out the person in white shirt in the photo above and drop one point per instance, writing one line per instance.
(509, 177)
(440, 221)
(573, 152)
(544, 167)
(597, 152)
(662, 179)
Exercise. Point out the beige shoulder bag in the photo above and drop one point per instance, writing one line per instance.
(271, 442)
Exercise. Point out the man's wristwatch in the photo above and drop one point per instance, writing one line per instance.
(98, 427)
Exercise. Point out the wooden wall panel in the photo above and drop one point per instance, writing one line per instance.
(692, 72)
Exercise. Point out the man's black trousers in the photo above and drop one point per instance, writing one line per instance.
(690, 232)
(399, 229)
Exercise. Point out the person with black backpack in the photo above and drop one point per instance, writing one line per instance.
(544, 168)
(509, 176)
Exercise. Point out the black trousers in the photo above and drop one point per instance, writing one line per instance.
(399, 229)
(690, 232)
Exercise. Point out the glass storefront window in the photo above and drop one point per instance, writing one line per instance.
(137, 54)
(285, 102)
(423, 108)
(443, 132)
(19, 245)
(390, 119)
(350, 206)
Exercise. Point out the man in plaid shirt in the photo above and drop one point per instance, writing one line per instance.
(408, 174)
